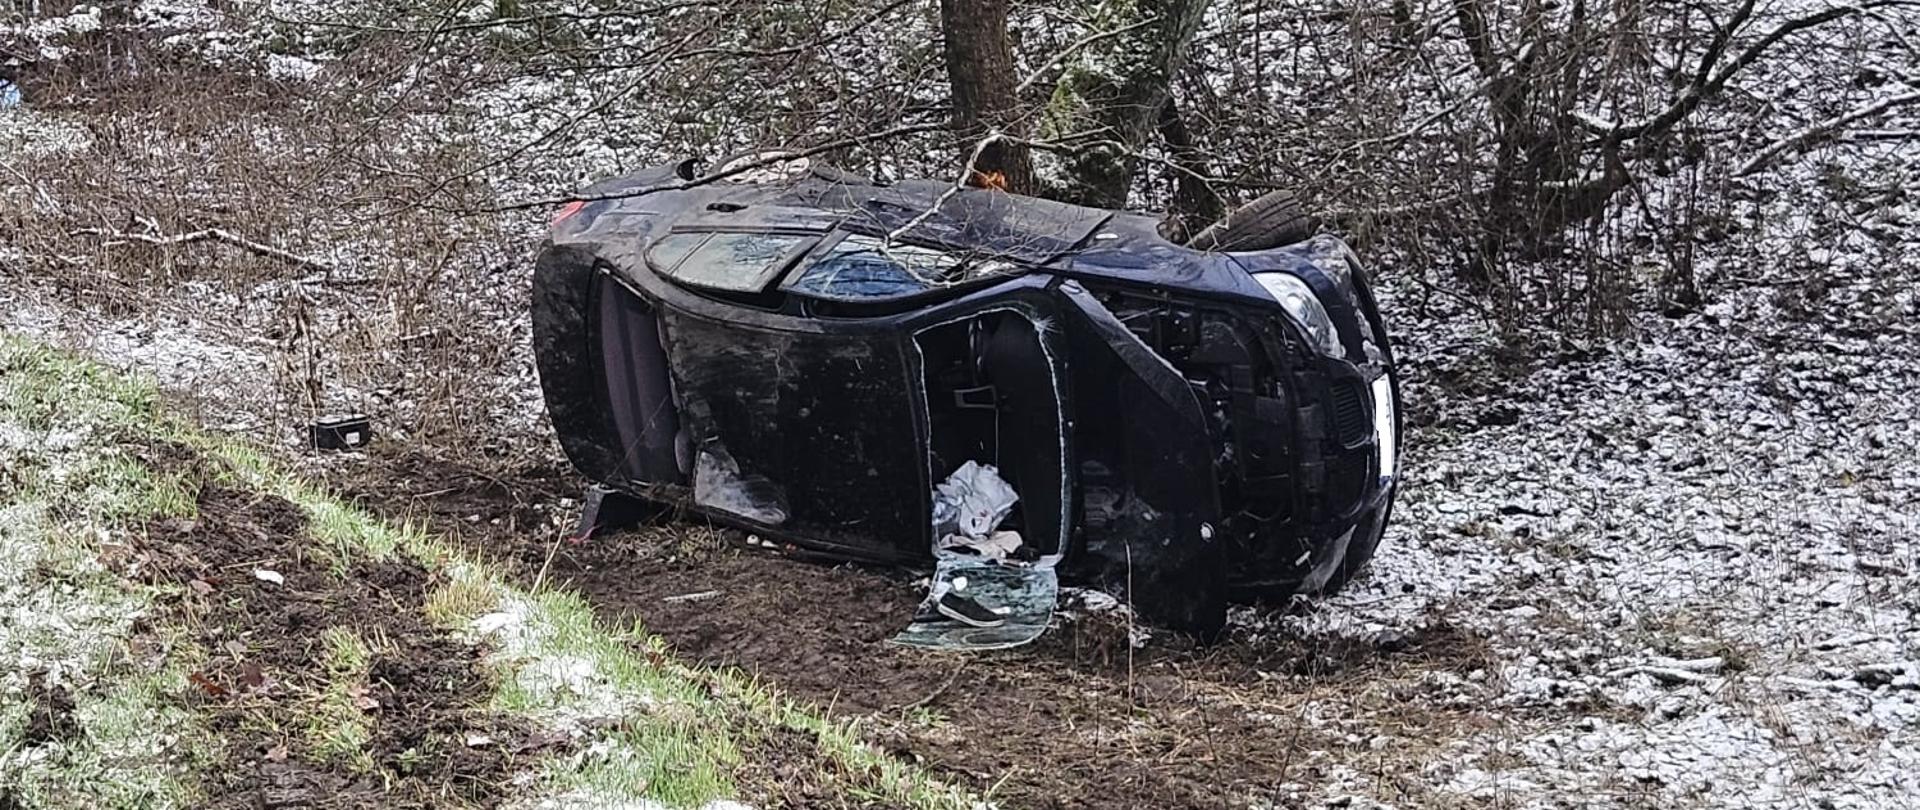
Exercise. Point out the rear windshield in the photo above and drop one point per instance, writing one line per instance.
(864, 268)
(733, 262)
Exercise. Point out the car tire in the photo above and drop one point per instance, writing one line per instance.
(1269, 221)
(566, 352)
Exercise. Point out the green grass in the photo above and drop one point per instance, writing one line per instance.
(655, 729)
(70, 492)
(338, 726)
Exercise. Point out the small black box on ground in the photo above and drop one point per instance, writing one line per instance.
(340, 432)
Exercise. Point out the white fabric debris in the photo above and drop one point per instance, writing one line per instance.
(972, 502)
(996, 546)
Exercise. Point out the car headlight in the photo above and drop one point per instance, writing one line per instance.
(1306, 310)
(1385, 434)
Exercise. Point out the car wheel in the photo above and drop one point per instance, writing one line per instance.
(1269, 221)
(566, 352)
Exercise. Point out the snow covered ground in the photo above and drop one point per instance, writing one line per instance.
(1696, 551)
(1695, 554)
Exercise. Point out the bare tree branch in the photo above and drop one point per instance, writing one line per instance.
(784, 50)
(1808, 135)
(220, 235)
(1708, 80)
(1027, 83)
(46, 200)
(966, 174)
(505, 22)
(764, 160)
(597, 108)
(829, 39)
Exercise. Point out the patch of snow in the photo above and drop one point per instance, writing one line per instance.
(46, 33)
(574, 694)
(175, 14)
(233, 379)
(25, 132)
(282, 66)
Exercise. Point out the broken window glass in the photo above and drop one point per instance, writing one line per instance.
(732, 262)
(671, 249)
(866, 267)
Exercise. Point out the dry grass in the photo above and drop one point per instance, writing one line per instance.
(417, 314)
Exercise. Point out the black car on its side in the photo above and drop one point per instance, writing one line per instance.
(807, 354)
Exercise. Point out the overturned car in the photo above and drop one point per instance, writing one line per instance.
(818, 359)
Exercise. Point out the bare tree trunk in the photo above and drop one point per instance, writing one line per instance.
(980, 70)
(1112, 96)
(1195, 202)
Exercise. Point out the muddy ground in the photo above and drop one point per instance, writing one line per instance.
(266, 678)
(1079, 719)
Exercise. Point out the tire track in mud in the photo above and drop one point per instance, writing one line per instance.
(423, 696)
(1077, 720)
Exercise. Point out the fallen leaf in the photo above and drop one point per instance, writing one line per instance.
(544, 739)
(277, 753)
(361, 700)
(265, 575)
(200, 586)
(234, 648)
(251, 677)
(478, 740)
(206, 684)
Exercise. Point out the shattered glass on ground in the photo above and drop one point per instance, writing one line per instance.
(1026, 593)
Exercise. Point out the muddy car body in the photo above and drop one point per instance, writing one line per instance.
(806, 355)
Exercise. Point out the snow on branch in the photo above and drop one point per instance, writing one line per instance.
(1057, 58)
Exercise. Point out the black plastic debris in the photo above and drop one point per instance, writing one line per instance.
(340, 432)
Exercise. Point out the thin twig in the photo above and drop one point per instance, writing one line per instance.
(46, 199)
(764, 160)
(966, 173)
(1808, 135)
(547, 563)
(220, 235)
(1027, 83)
